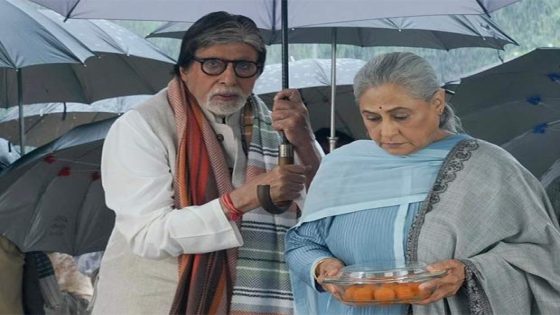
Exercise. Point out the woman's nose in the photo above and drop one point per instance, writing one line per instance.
(388, 129)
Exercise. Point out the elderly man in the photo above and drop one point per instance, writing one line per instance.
(181, 173)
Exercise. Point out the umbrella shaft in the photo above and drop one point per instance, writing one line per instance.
(21, 117)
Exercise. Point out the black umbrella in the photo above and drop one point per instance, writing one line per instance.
(507, 99)
(43, 59)
(537, 148)
(47, 121)
(52, 200)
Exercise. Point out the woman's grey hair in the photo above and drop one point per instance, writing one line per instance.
(410, 71)
(219, 28)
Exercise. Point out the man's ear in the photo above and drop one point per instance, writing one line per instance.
(183, 73)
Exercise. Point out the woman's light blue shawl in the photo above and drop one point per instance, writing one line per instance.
(361, 175)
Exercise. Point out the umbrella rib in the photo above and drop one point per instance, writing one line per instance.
(38, 121)
(80, 162)
(4, 52)
(76, 158)
(78, 78)
(71, 11)
(483, 7)
(109, 39)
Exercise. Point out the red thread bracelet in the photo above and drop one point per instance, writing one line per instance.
(234, 213)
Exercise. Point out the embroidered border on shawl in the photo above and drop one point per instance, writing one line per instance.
(452, 164)
(478, 301)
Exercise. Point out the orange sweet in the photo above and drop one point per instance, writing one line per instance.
(349, 293)
(363, 293)
(405, 292)
(384, 294)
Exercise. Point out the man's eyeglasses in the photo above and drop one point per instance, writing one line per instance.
(216, 66)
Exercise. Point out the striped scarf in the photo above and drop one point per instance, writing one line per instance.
(252, 279)
(48, 285)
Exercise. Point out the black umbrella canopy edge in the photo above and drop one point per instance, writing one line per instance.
(80, 135)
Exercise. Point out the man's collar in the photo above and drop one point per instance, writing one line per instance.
(215, 119)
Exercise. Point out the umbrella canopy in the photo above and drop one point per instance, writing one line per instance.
(124, 64)
(272, 14)
(504, 101)
(47, 60)
(45, 122)
(266, 13)
(538, 148)
(438, 32)
(37, 40)
(312, 78)
(52, 200)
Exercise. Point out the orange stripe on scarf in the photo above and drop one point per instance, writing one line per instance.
(204, 285)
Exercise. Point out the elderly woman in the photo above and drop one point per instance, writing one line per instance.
(420, 191)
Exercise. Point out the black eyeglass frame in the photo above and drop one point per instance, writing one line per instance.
(226, 62)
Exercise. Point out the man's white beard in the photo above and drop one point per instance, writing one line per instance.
(224, 109)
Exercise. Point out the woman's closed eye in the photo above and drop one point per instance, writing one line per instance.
(372, 117)
(400, 116)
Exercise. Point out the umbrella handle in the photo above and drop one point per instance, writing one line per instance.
(286, 157)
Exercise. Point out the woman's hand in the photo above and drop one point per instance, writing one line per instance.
(328, 267)
(446, 286)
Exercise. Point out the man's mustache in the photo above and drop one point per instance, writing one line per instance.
(231, 91)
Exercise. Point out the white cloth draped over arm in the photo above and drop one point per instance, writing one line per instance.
(138, 186)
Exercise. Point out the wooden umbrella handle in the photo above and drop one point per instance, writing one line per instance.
(285, 157)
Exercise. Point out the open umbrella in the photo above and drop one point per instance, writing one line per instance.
(538, 148)
(266, 13)
(52, 200)
(312, 77)
(43, 59)
(45, 122)
(270, 14)
(438, 32)
(38, 41)
(505, 100)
